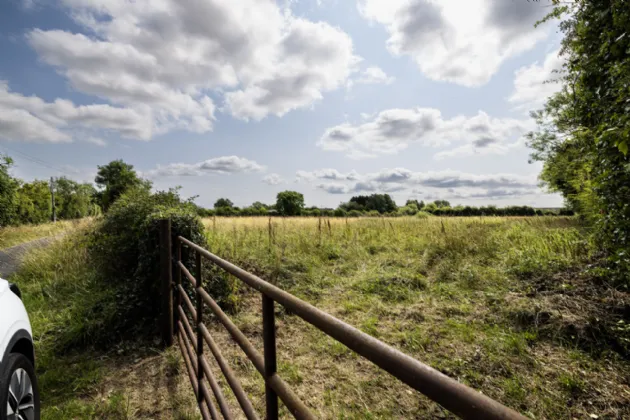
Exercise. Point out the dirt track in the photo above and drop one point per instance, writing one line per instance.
(10, 257)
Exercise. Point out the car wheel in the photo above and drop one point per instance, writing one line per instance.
(19, 395)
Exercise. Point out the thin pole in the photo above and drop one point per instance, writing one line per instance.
(166, 280)
(269, 345)
(52, 198)
(199, 323)
(178, 280)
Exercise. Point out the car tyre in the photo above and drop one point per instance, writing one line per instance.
(19, 394)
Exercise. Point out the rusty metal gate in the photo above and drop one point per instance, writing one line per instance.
(452, 395)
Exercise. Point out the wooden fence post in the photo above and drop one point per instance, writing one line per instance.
(166, 281)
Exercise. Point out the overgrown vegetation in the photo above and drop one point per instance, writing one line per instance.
(72, 307)
(15, 235)
(512, 307)
(584, 130)
(31, 202)
(124, 247)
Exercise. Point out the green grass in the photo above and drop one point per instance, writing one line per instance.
(71, 308)
(444, 291)
(15, 235)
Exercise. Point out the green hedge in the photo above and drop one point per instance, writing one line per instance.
(125, 246)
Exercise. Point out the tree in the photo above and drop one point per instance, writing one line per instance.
(223, 202)
(34, 202)
(115, 178)
(442, 203)
(74, 200)
(289, 203)
(583, 131)
(8, 192)
(382, 203)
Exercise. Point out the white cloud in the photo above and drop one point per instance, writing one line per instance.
(463, 42)
(172, 58)
(19, 125)
(438, 184)
(273, 179)
(392, 130)
(535, 83)
(334, 188)
(371, 76)
(328, 174)
(219, 165)
(311, 58)
(31, 119)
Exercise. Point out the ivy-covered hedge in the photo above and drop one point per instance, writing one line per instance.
(125, 247)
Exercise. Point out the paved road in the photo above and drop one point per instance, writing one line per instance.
(10, 257)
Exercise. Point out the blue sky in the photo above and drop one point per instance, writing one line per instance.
(244, 99)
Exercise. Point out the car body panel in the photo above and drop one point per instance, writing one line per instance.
(14, 321)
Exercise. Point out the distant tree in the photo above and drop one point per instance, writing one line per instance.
(410, 209)
(442, 203)
(382, 203)
(259, 205)
(419, 204)
(340, 212)
(115, 178)
(289, 203)
(8, 192)
(223, 202)
(361, 202)
(34, 203)
(74, 200)
(431, 207)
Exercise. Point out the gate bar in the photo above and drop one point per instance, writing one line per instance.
(452, 395)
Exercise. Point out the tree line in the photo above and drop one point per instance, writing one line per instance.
(32, 202)
(24, 202)
(291, 203)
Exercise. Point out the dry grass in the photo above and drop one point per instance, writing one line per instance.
(462, 295)
(11, 236)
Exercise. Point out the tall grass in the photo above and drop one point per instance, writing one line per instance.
(440, 289)
(14, 235)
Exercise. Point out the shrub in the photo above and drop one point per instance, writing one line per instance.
(340, 213)
(354, 213)
(125, 247)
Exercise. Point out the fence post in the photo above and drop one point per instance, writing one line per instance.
(166, 282)
(199, 309)
(269, 346)
(178, 282)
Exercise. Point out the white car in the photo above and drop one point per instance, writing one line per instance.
(19, 395)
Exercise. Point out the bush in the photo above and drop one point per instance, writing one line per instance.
(340, 213)
(125, 247)
(354, 213)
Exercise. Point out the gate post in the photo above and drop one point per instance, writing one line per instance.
(166, 280)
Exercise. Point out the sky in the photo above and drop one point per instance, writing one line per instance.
(243, 99)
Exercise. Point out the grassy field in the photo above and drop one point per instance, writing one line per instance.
(509, 306)
(10, 236)
(505, 305)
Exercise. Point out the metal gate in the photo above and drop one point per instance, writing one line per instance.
(452, 395)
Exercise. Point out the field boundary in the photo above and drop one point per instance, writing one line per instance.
(177, 307)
